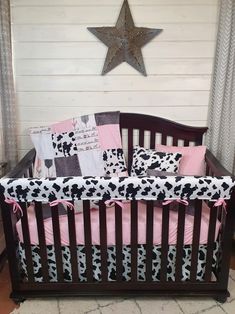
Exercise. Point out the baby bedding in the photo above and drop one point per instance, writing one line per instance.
(124, 188)
(126, 222)
(111, 262)
(126, 248)
(81, 146)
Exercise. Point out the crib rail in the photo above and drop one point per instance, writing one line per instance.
(25, 167)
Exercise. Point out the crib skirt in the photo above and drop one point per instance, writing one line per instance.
(111, 259)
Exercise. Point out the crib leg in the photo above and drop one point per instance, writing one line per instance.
(222, 298)
(17, 299)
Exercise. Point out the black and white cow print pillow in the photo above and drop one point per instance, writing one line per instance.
(144, 159)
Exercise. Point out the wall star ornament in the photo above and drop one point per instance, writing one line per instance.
(124, 41)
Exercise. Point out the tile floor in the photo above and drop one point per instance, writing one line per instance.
(117, 305)
(140, 305)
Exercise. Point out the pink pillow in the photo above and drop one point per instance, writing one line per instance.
(193, 160)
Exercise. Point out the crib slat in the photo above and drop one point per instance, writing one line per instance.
(180, 242)
(73, 244)
(30, 171)
(196, 239)
(88, 243)
(164, 244)
(175, 141)
(118, 236)
(42, 240)
(130, 148)
(27, 244)
(210, 242)
(163, 141)
(57, 242)
(141, 138)
(186, 142)
(134, 239)
(149, 240)
(103, 241)
(152, 140)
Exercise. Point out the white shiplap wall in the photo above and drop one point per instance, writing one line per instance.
(57, 61)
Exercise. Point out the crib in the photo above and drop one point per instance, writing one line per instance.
(69, 269)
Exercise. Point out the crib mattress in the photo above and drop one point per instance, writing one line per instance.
(126, 226)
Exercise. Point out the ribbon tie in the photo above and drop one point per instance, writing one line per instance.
(221, 202)
(16, 206)
(167, 202)
(64, 202)
(112, 202)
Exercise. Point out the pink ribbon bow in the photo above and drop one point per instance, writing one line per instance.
(16, 206)
(221, 202)
(167, 202)
(112, 202)
(57, 202)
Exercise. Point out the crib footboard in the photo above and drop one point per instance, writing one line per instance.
(130, 269)
(114, 247)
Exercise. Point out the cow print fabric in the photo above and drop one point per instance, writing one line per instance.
(144, 159)
(111, 261)
(121, 188)
(114, 162)
(64, 144)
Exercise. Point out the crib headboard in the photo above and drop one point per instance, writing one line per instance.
(140, 128)
(137, 129)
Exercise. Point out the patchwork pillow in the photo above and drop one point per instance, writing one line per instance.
(88, 145)
(193, 158)
(144, 159)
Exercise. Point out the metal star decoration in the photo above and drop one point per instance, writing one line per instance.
(124, 41)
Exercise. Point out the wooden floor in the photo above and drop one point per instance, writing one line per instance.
(7, 305)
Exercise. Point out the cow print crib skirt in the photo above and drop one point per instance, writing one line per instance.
(126, 253)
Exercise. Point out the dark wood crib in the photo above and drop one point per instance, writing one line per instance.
(138, 128)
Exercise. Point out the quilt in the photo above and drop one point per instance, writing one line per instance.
(81, 146)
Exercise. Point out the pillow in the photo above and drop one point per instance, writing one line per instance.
(193, 158)
(144, 159)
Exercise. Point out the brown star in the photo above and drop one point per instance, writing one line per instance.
(124, 41)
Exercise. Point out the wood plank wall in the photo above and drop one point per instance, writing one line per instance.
(57, 62)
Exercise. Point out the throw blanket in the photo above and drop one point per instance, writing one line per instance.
(88, 145)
